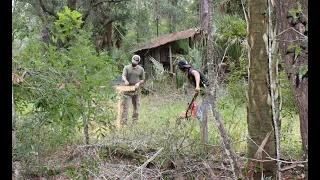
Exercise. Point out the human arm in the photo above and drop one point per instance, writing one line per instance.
(196, 75)
(124, 76)
(126, 82)
(137, 85)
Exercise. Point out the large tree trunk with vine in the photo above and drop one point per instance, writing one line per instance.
(293, 47)
(274, 83)
(107, 38)
(259, 114)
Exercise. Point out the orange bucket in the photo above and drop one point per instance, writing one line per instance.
(194, 109)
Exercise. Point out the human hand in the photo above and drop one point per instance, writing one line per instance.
(197, 89)
(126, 83)
(137, 85)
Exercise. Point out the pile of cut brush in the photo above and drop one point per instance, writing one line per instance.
(115, 162)
(106, 162)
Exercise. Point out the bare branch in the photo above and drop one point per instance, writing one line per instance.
(245, 15)
(291, 166)
(287, 30)
(144, 164)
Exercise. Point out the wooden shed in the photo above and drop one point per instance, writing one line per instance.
(161, 48)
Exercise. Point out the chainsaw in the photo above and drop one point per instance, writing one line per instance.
(190, 105)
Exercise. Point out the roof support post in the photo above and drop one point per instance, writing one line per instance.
(170, 57)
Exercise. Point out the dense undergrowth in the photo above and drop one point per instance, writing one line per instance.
(61, 81)
(118, 152)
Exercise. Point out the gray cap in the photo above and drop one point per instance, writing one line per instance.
(135, 59)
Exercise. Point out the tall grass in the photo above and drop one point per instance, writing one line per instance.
(159, 113)
(158, 127)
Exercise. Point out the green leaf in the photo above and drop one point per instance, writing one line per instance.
(75, 15)
(67, 10)
(293, 13)
(307, 27)
(60, 15)
(299, 7)
(291, 47)
(302, 71)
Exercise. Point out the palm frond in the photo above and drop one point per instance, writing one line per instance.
(184, 44)
(157, 66)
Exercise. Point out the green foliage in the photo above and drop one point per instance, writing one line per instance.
(50, 114)
(36, 137)
(157, 68)
(233, 115)
(231, 26)
(290, 135)
(237, 83)
(120, 58)
(23, 20)
(297, 50)
(288, 103)
(119, 32)
(60, 85)
(192, 54)
(229, 32)
(142, 28)
(302, 71)
(307, 27)
(296, 12)
(67, 25)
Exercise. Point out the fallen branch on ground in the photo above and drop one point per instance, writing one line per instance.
(144, 164)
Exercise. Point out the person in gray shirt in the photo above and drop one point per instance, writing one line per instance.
(132, 75)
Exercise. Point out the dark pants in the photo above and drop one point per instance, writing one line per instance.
(135, 99)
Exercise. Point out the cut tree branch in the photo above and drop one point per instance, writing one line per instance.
(144, 164)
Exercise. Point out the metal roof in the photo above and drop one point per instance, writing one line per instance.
(156, 42)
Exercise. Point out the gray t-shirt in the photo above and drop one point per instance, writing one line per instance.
(133, 75)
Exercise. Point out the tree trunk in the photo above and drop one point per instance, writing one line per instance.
(85, 122)
(211, 98)
(293, 46)
(206, 23)
(204, 15)
(16, 165)
(259, 115)
(204, 122)
(45, 38)
(173, 18)
(72, 4)
(107, 39)
(275, 91)
(85, 128)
